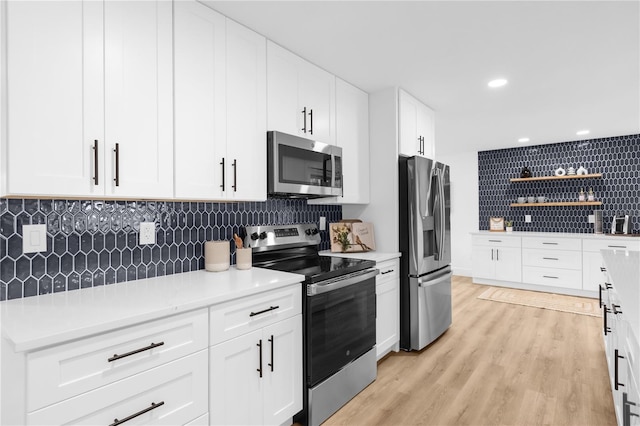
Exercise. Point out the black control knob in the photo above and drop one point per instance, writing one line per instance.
(308, 231)
(254, 236)
(311, 231)
(263, 235)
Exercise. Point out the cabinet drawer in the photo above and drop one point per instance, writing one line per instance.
(624, 243)
(182, 386)
(548, 243)
(388, 270)
(69, 369)
(566, 278)
(236, 317)
(563, 259)
(498, 240)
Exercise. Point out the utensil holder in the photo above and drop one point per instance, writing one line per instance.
(216, 255)
(243, 258)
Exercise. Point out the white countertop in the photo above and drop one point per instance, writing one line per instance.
(34, 322)
(623, 266)
(377, 256)
(633, 237)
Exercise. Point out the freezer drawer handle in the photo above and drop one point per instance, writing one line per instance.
(435, 281)
(116, 357)
(270, 308)
(616, 384)
(153, 406)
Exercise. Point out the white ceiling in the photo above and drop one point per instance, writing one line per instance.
(571, 65)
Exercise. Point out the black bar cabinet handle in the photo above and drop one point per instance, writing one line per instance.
(270, 308)
(116, 357)
(626, 410)
(603, 269)
(311, 121)
(550, 244)
(615, 307)
(608, 286)
(616, 384)
(153, 406)
(606, 328)
(117, 151)
(491, 254)
(495, 241)
(304, 118)
(386, 272)
(498, 254)
(272, 344)
(95, 162)
(617, 247)
(235, 175)
(600, 295)
(419, 144)
(259, 369)
(550, 276)
(222, 164)
(550, 258)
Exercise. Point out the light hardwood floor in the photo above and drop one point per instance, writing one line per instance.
(498, 364)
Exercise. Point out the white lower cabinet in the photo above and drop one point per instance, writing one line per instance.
(256, 377)
(592, 259)
(172, 394)
(497, 258)
(387, 308)
(552, 262)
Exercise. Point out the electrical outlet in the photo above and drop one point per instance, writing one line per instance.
(323, 223)
(527, 218)
(34, 238)
(592, 219)
(147, 233)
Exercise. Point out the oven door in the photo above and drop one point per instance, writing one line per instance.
(302, 167)
(340, 324)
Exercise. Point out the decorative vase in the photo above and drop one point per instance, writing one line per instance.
(509, 228)
(525, 173)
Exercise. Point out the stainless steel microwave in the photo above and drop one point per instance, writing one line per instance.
(302, 168)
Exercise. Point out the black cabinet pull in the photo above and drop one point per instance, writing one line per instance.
(259, 369)
(270, 308)
(550, 244)
(549, 276)
(550, 258)
(116, 357)
(616, 384)
(304, 118)
(615, 307)
(624, 247)
(495, 241)
(386, 272)
(600, 295)
(603, 269)
(222, 164)
(235, 175)
(606, 328)
(311, 121)
(626, 410)
(498, 254)
(153, 406)
(609, 286)
(95, 162)
(491, 254)
(272, 344)
(117, 151)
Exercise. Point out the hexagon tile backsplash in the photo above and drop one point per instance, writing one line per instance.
(92, 242)
(617, 158)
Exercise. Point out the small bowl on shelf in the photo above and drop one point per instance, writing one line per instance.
(522, 200)
(542, 199)
(531, 199)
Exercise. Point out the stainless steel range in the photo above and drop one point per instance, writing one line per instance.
(338, 310)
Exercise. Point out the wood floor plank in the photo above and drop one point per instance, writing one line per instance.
(498, 364)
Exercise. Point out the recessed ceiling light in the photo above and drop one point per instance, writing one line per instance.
(498, 82)
(523, 140)
(582, 132)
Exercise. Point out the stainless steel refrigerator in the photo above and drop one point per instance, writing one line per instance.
(425, 243)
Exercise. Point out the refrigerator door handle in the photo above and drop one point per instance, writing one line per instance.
(436, 280)
(440, 234)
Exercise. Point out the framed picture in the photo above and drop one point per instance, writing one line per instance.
(351, 237)
(496, 224)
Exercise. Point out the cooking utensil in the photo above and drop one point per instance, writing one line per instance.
(238, 241)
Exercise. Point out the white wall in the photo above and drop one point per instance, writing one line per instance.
(464, 207)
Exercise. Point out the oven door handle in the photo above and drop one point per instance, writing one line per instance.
(320, 288)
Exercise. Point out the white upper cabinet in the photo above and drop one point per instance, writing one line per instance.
(301, 96)
(220, 107)
(84, 78)
(246, 113)
(417, 127)
(200, 101)
(352, 135)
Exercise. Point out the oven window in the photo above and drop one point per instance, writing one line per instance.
(304, 167)
(340, 326)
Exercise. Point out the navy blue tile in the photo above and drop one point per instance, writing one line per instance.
(23, 268)
(45, 285)
(73, 281)
(86, 279)
(30, 287)
(53, 265)
(14, 246)
(59, 283)
(14, 290)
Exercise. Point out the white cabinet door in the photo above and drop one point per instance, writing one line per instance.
(483, 262)
(199, 100)
(508, 264)
(300, 96)
(417, 127)
(54, 97)
(388, 316)
(236, 388)
(246, 114)
(282, 362)
(592, 275)
(138, 98)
